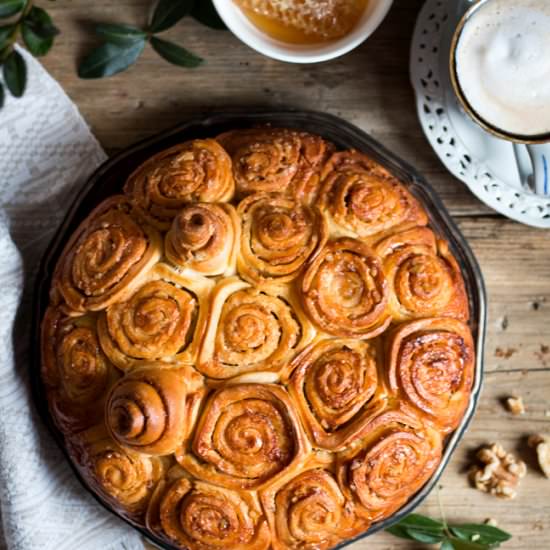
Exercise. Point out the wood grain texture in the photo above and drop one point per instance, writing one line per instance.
(369, 87)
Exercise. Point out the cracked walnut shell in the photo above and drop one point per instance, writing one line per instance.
(499, 472)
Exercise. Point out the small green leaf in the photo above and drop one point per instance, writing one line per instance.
(38, 31)
(4, 52)
(15, 73)
(2, 95)
(110, 59)
(205, 12)
(424, 536)
(35, 44)
(415, 534)
(400, 532)
(419, 528)
(175, 54)
(120, 34)
(168, 12)
(466, 545)
(39, 21)
(10, 7)
(6, 33)
(468, 536)
(483, 534)
(424, 523)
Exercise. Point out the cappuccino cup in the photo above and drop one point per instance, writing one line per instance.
(500, 72)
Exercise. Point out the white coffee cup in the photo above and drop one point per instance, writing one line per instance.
(241, 26)
(491, 39)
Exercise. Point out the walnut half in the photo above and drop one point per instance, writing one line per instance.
(515, 405)
(542, 446)
(499, 472)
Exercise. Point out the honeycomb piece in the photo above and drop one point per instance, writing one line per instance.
(327, 19)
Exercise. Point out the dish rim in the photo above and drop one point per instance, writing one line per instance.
(343, 134)
(248, 33)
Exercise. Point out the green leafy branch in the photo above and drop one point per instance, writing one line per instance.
(466, 536)
(123, 44)
(35, 27)
(21, 20)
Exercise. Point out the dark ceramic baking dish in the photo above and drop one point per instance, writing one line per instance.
(110, 178)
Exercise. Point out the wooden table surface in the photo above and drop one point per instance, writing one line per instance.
(369, 87)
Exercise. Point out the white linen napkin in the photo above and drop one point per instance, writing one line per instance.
(46, 153)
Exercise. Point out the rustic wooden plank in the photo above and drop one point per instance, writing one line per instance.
(515, 261)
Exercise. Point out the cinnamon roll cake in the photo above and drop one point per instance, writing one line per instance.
(261, 344)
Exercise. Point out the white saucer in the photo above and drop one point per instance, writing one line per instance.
(486, 164)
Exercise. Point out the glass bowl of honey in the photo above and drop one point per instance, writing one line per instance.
(303, 31)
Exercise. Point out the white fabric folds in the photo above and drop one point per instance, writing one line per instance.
(46, 153)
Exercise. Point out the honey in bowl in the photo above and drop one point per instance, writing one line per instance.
(304, 21)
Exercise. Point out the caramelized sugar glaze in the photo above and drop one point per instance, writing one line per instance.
(304, 21)
(261, 343)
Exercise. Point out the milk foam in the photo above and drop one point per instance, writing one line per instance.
(503, 65)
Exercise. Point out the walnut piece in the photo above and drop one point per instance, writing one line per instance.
(542, 446)
(492, 522)
(499, 472)
(515, 405)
